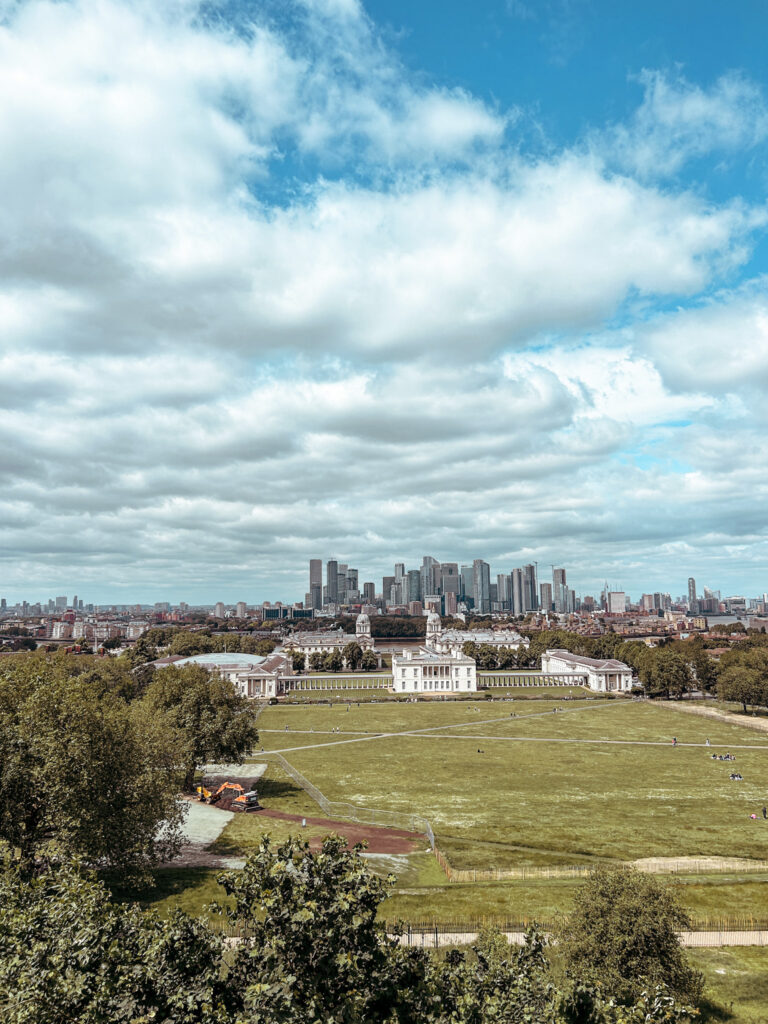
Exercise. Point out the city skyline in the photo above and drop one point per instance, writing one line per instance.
(305, 275)
(547, 575)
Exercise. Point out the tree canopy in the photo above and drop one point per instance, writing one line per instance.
(83, 772)
(622, 934)
(311, 950)
(211, 720)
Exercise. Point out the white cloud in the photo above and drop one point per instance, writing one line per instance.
(265, 294)
(720, 346)
(679, 121)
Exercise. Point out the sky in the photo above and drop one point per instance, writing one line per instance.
(317, 278)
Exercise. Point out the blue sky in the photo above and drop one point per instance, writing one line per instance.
(316, 278)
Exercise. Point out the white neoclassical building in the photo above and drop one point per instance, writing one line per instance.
(426, 671)
(252, 674)
(333, 640)
(603, 675)
(446, 641)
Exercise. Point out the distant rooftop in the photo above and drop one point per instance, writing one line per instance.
(224, 659)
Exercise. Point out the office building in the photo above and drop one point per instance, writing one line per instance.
(530, 589)
(332, 581)
(481, 586)
(545, 592)
(315, 582)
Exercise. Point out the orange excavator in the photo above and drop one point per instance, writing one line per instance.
(234, 795)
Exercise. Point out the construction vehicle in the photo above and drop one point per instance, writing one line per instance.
(232, 793)
(246, 801)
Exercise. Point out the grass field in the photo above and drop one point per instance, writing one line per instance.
(547, 789)
(540, 787)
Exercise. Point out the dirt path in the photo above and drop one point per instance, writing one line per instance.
(758, 724)
(380, 840)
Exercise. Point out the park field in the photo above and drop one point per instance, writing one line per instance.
(518, 785)
(594, 781)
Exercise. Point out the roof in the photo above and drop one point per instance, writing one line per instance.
(427, 654)
(482, 636)
(600, 664)
(224, 659)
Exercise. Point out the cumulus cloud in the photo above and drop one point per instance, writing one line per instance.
(265, 294)
(679, 120)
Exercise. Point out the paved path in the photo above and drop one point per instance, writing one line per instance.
(712, 939)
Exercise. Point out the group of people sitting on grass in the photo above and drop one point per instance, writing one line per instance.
(723, 757)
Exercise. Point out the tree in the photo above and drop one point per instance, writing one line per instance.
(313, 950)
(352, 654)
(333, 662)
(317, 661)
(705, 669)
(744, 677)
(314, 941)
(298, 660)
(368, 662)
(670, 672)
(621, 934)
(68, 954)
(82, 772)
(212, 720)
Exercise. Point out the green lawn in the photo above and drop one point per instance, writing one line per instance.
(736, 984)
(558, 801)
(520, 802)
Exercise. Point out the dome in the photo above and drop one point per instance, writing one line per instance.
(363, 625)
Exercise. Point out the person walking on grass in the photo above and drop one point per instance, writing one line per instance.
(674, 741)
(765, 813)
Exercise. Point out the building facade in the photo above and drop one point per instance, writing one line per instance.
(602, 675)
(426, 671)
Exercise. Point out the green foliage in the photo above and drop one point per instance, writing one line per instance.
(298, 661)
(368, 662)
(317, 661)
(352, 654)
(312, 951)
(81, 771)
(316, 952)
(621, 934)
(744, 675)
(68, 954)
(211, 720)
(333, 661)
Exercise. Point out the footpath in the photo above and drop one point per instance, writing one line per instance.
(434, 938)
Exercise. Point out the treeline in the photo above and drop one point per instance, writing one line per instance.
(350, 657)
(313, 950)
(388, 626)
(93, 756)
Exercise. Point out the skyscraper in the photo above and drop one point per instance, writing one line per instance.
(481, 586)
(332, 581)
(559, 591)
(693, 604)
(545, 590)
(530, 589)
(429, 585)
(517, 592)
(369, 593)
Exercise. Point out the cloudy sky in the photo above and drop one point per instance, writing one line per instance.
(313, 278)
